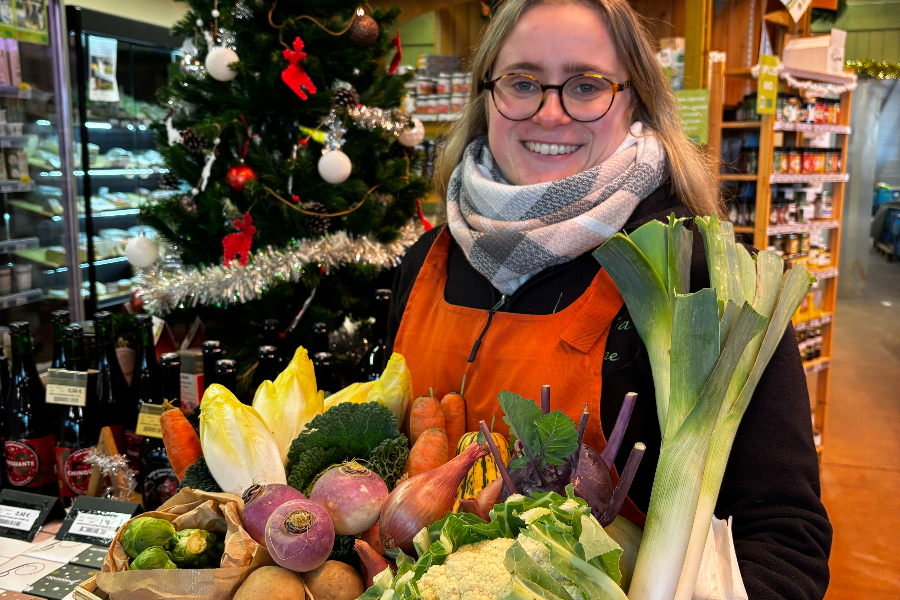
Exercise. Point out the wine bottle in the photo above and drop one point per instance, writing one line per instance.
(114, 409)
(226, 374)
(212, 351)
(156, 474)
(29, 441)
(373, 361)
(267, 367)
(78, 428)
(327, 377)
(170, 365)
(4, 391)
(59, 320)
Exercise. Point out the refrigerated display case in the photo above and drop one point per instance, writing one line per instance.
(36, 254)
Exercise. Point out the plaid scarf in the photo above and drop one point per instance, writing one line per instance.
(510, 232)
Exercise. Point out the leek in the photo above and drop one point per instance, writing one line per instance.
(707, 351)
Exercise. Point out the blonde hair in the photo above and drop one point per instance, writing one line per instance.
(690, 168)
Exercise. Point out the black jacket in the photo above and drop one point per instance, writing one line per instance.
(771, 485)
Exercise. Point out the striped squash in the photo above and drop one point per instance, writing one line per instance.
(484, 471)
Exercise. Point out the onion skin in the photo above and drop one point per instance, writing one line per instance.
(352, 495)
(424, 499)
(260, 501)
(300, 535)
(371, 562)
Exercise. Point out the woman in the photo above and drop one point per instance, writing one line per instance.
(569, 136)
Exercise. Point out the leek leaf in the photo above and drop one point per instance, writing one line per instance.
(652, 240)
(681, 240)
(695, 349)
(721, 258)
(644, 292)
(748, 276)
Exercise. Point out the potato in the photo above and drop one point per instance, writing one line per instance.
(271, 583)
(334, 580)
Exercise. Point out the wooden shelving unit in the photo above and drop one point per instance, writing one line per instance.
(818, 369)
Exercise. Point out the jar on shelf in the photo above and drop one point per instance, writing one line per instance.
(810, 107)
(777, 244)
(792, 245)
(776, 160)
(823, 205)
(424, 86)
(812, 258)
(442, 83)
(824, 256)
(779, 106)
(808, 160)
(773, 209)
(791, 109)
(819, 160)
(802, 343)
(837, 112)
(457, 102)
(750, 160)
(804, 243)
(442, 104)
(822, 111)
(836, 161)
(459, 83)
(790, 213)
(795, 160)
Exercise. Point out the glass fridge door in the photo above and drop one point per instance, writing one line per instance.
(115, 75)
(34, 273)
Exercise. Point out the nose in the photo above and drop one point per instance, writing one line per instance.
(551, 113)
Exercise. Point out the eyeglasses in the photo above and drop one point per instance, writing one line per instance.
(583, 97)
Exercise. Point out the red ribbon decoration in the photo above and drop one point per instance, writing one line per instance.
(422, 218)
(395, 62)
(294, 75)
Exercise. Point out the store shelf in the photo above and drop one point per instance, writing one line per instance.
(824, 273)
(9, 186)
(13, 141)
(809, 177)
(738, 177)
(14, 92)
(817, 322)
(803, 227)
(440, 117)
(98, 263)
(821, 77)
(108, 173)
(809, 127)
(815, 365)
(740, 125)
(743, 229)
(739, 74)
(109, 301)
(7, 246)
(20, 298)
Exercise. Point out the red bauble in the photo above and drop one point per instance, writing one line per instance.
(238, 176)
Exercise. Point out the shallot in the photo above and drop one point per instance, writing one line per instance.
(424, 499)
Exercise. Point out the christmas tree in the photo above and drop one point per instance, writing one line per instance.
(281, 99)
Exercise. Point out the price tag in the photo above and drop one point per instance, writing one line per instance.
(68, 388)
(767, 85)
(95, 520)
(18, 518)
(22, 514)
(148, 421)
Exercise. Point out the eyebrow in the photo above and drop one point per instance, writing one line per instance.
(568, 68)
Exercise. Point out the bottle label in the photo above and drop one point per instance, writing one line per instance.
(159, 485)
(31, 463)
(68, 388)
(148, 424)
(133, 450)
(74, 474)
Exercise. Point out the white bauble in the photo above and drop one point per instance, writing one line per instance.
(141, 252)
(217, 61)
(414, 135)
(334, 166)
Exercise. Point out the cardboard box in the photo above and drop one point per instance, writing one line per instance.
(818, 54)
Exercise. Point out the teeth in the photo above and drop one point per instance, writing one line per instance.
(551, 149)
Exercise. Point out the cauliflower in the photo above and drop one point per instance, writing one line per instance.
(476, 572)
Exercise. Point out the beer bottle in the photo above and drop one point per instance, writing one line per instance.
(59, 320)
(374, 360)
(212, 351)
(226, 374)
(4, 390)
(267, 367)
(145, 388)
(78, 429)
(29, 442)
(160, 482)
(327, 377)
(114, 410)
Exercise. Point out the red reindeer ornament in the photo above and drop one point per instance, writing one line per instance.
(239, 242)
(294, 75)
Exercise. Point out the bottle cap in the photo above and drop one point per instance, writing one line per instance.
(170, 359)
(267, 351)
(59, 316)
(20, 327)
(102, 317)
(143, 319)
(73, 332)
(226, 365)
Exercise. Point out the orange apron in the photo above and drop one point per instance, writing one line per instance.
(518, 353)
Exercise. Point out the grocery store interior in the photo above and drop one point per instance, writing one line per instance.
(797, 100)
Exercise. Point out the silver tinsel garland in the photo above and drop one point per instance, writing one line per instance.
(393, 121)
(167, 288)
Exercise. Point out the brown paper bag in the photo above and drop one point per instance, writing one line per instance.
(188, 509)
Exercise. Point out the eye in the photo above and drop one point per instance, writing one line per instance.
(524, 85)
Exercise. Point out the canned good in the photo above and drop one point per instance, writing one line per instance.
(804, 243)
(442, 84)
(819, 161)
(792, 245)
(459, 83)
(776, 161)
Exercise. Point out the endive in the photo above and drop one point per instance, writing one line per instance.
(238, 447)
(707, 351)
(393, 390)
(290, 402)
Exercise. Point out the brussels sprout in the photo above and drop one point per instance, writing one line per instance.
(153, 557)
(146, 532)
(194, 549)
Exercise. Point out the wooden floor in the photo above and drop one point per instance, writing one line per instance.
(861, 460)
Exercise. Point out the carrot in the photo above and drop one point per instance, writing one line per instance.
(454, 408)
(182, 443)
(430, 451)
(425, 413)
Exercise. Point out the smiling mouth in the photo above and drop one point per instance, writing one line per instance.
(551, 149)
